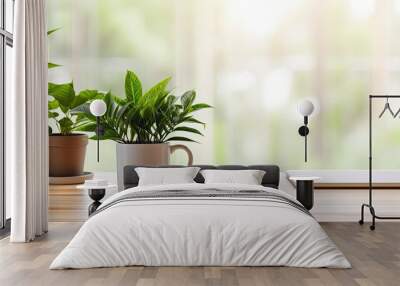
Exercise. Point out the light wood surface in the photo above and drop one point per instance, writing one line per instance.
(304, 178)
(375, 257)
(69, 203)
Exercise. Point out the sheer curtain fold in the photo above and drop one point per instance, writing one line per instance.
(26, 119)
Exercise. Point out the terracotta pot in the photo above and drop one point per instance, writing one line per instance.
(145, 155)
(67, 154)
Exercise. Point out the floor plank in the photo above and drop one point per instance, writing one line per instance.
(375, 257)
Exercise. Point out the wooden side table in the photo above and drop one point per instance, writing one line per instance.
(305, 190)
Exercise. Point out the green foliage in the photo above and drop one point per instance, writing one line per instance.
(151, 117)
(52, 31)
(64, 99)
(133, 87)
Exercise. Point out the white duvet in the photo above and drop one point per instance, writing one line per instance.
(193, 231)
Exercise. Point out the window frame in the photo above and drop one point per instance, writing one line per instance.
(6, 39)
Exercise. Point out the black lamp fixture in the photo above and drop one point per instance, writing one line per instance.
(305, 108)
(98, 108)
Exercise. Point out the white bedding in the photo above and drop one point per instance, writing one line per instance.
(200, 231)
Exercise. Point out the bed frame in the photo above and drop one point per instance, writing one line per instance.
(270, 179)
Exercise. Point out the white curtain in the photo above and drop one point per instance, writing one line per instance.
(26, 124)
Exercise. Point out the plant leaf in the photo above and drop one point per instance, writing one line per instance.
(192, 120)
(188, 98)
(52, 104)
(158, 88)
(52, 114)
(133, 87)
(199, 106)
(52, 65)
(52, 31)
(83, 97)
(109, 134)
(118, 100)
(83, 110)
(188, 129)
(88, 127)
(179, 138)
(65, 125)
(64, 93)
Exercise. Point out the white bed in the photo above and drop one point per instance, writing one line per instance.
(202, 231)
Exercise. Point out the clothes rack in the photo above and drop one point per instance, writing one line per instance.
(370, 186)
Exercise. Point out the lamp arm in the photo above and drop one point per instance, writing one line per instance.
(303, 131)
(305, 138)
(98, 137)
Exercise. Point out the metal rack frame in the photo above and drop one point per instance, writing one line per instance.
(370, 203)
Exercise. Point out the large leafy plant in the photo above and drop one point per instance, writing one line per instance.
(155, 116)
(62, 100)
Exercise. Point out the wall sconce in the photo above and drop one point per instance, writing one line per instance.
(98, 108)
(305, 108)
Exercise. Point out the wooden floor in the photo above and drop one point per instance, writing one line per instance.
(375, 257)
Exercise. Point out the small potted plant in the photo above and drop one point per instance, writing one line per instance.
(66, 149)
(143, 123)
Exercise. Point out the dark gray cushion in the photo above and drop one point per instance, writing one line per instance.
(270, 179)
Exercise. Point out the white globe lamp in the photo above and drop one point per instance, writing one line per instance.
(98, 108)
(305, 108)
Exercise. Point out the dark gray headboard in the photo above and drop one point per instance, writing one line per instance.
(270, 179)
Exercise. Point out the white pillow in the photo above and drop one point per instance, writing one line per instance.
(248, 177)
(166, 176)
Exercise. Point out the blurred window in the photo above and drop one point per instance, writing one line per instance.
(253, 60)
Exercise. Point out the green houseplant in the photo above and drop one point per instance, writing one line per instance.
(143, 123)
(67, 150)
